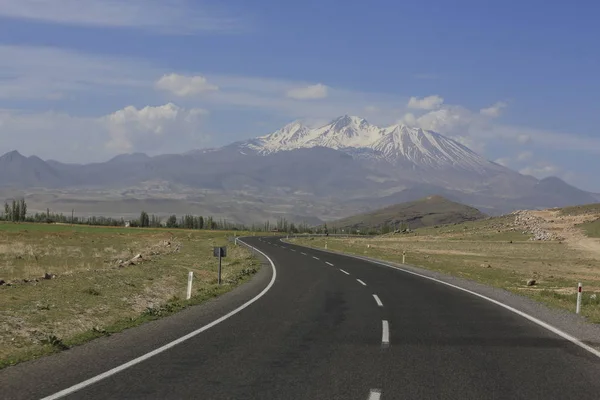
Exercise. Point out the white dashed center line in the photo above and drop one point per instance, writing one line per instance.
(316, 258)
(377, 300)
(361, 282)
(385, 334)
(375, 394)
(328, 263)
(344, 271)
(303, 254)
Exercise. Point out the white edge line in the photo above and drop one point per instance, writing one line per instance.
(375, 394)
(344, 272)
(361, 282)
(378, 300)
(167, 346)
(385, 332)
(328, 263)
(531, 318)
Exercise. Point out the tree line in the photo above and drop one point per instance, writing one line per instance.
(16, 211)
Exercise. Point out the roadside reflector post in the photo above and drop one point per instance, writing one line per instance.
(578, 309)
(404, 257)
(189, 287)
(326, 245)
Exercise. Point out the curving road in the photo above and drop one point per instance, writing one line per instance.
(330, 327)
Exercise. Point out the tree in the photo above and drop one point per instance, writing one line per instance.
(144, 219)
(172, 221)
(16, 211)
(7, 212)
(23, 210)
(200, 222)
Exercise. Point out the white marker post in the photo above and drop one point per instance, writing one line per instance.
(404, 257)
(326, 245)
(189, 287)
(578, 309)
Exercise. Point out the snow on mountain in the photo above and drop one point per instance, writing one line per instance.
(396, 144)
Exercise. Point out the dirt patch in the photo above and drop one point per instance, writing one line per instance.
(566, 229)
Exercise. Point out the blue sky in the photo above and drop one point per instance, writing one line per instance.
(83, 80)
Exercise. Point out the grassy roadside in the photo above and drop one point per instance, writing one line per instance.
(491, 252)
(591, 229)
(96, 291)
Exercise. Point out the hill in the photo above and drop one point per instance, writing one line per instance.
(428, 211)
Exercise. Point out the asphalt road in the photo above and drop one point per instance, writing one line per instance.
(334, 327)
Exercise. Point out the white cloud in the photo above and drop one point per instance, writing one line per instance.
(160, 129)
(318, 91)
(182, 85)
(150, 128)
(495, 110)
(164, 16)
(455, 122)
(425, 103)
(541, 170)
(475, 144)
(504, 161)
(450, 120)
(111, 83)
(523, 139)
(410, 120)
(524, 156)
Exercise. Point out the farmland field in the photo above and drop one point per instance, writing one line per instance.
(97, 284)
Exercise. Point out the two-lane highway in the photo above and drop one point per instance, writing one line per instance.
(335, 327)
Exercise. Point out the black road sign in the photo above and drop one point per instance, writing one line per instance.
(220, 251)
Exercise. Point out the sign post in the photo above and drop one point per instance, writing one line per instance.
(220, 252)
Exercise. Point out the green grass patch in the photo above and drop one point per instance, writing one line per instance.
(581, 210)
(591, 229)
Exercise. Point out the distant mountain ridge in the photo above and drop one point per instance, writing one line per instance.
(345, 167)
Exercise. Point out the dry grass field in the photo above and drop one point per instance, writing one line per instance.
(500, 252)
(95, 287)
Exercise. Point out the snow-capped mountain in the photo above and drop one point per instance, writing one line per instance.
(397, 144)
